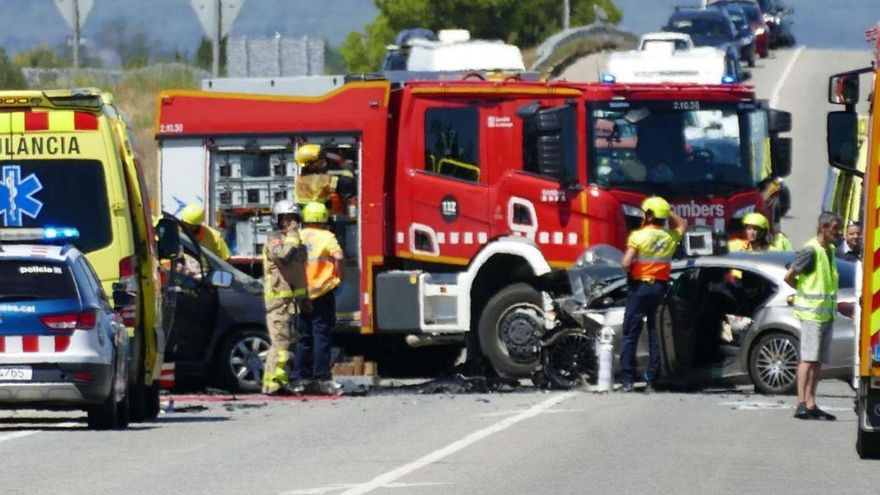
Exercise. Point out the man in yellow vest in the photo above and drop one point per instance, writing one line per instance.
(814, 274)
(193, 216)
(323, 274)
(315, 183)
(758, 238)
(648, 260)
(284, 285)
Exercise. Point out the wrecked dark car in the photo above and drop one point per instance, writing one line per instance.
(725, 318)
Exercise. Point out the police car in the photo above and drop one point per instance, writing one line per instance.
(62, 345)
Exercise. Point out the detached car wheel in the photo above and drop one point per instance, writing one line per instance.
(241, 359)
(773, 363)
(510, 329)
(570, 361)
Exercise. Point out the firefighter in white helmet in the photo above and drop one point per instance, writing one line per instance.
(193, 217)
(284, 257)
(314, 183)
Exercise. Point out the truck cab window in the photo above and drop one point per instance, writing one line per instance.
(452, 142)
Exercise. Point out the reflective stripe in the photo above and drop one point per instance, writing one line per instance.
(321, 265)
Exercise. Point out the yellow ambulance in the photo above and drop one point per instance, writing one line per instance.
(66, 160)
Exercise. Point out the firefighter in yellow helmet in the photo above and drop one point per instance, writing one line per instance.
(284, 287)
(648, 261)
(758, 237)
(315, 183)
(323, 274)
(193, 217)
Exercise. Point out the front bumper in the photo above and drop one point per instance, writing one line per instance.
(59, 385)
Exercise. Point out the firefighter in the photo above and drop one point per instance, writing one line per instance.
(193, 217)
(324, 274)
(314, 183)
(284, 258)
(648, 260)
(758, 237)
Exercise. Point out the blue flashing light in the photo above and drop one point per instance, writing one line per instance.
(60, 233)
(607, 78)
(876, 354)
(728, 79)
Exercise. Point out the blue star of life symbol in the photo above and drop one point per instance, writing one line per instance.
(17, 195)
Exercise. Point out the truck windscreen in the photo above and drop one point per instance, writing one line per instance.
(57, 193)
(678, 147)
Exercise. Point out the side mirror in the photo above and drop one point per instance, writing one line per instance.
(221, 279)
(550, 155)
(780, 156)
(121, 296)
(843, 149)
(168, 242)
(843, 89)
(779, 121)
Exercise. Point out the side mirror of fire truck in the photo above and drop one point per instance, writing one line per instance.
(168, 236)
(843, 89)
(843, 149)
(779, 121)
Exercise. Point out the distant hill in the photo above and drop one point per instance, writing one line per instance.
(172, 24)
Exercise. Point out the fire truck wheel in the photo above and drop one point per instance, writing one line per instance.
(510, 329)
(868, 444)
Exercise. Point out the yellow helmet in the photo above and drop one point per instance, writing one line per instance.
(657, 205)
(307, 154)
(315, 213)
(193, 214)
(756, 220)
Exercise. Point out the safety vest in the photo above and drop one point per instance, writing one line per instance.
(654, 249)
(211, 239)
(816, 296)
(321, 266)
(780, 243)
(275, 284)
(315, 187)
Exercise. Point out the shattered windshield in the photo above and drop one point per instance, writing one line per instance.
(676, 147)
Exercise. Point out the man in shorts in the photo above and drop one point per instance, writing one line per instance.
(814, 274)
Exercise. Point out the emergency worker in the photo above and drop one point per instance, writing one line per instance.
(648, 261)
(758, 237)
(315, 183)
(284, 258)
(193, 217)
(324, 274)
(850, 248)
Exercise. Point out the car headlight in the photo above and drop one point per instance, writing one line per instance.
(745, 210)
(632, 211)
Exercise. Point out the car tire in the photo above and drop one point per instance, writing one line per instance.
(151, 401)
(773, 362)
(510, 328)
(243, 349)
(751, 61)
(103, 416)
(136, 403)
(867, 442)
(123, 411)
(570, 361)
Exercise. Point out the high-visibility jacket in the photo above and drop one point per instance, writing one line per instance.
(284, 259)
(321, 271)
(654, 249)
(780, 243)
(816, 297)
(315, 187)
(211, 239)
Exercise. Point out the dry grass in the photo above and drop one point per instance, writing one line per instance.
(135, 93)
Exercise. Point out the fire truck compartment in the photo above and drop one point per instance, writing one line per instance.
(414, 300)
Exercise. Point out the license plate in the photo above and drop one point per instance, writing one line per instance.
(15, 373)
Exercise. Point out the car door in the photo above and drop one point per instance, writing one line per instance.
(676, 319)
(195, 311)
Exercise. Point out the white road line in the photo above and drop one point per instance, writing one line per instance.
(394, 475)
(16, 434)
(774, 98)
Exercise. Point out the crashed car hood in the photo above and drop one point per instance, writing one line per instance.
(595, 266)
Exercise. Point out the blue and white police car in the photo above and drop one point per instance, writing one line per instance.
(62, 345)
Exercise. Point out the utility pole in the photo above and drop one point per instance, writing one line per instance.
(76, 34)
(215, 65)
(565, 14)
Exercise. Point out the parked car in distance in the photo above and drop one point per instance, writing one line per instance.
(712, 27)
(62, 345)
(218, 332)
(727, 318)
(777, 16)
(749, 11)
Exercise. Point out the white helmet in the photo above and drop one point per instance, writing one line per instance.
(285, 207)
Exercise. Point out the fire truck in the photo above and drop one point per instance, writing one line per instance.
(843, 154)
(470, 191)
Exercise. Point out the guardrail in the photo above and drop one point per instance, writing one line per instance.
(564, 47)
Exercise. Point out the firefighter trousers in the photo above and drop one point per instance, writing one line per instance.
(280, 318)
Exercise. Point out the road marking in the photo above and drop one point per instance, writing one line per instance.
(16, 434)
(762, 406)
(332, 488)
(774, 99)
(394, 475)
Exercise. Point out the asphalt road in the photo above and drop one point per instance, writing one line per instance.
(398, 441)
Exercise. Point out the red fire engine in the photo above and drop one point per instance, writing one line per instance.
(470, 191)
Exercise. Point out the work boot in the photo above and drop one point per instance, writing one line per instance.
(802, 412)
(649, 387)
(297, 387)
(329, 387)
(271, 389)
(817, 413)
(627, 388)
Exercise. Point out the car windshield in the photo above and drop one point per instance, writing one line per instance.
(677, 147)
(709, 26)
(57, 193)
(29, 280)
